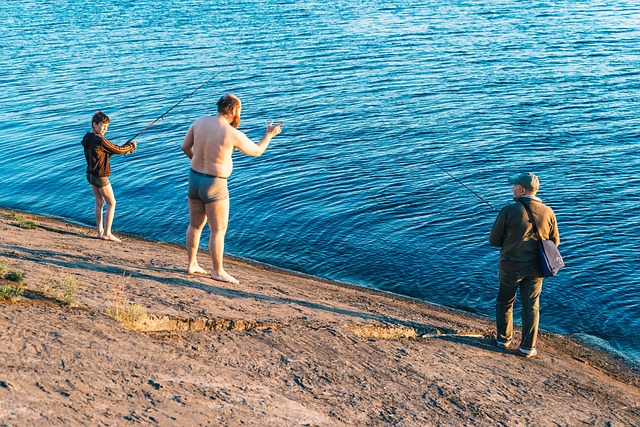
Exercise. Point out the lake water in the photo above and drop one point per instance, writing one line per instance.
(383, 103)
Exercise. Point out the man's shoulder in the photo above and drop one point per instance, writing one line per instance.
(211, 122)
(233, 134)
(511, 207)
(203, 119)
(539, 203)
(545, 209)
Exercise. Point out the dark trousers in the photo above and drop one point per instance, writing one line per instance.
(529, 281)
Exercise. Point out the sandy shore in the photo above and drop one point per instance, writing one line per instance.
(279, 349)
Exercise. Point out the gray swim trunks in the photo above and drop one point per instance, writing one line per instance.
(208, 188)
(98, 181)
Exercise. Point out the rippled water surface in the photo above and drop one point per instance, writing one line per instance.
(383, 102)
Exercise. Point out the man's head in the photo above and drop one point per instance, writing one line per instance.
(525, 184)
(230, 106)
(100, 123)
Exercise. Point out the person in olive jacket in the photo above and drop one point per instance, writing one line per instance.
(97, 151)
(519, 266)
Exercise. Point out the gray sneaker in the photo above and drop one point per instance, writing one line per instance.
(527, 353)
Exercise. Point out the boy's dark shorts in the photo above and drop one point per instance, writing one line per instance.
(98, 181)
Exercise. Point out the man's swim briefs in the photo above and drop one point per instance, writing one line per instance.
(208, 188)
(98, 181)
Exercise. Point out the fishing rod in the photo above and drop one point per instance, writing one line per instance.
(180, 102)
(461, 183)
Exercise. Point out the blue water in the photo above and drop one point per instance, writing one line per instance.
(378, 98)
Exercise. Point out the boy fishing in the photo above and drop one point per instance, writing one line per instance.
(97, 151)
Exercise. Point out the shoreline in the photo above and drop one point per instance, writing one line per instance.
(589, 341)
(280, 348)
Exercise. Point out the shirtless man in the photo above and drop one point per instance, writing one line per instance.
(209, 143)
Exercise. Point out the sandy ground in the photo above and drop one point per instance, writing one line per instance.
(279, 349)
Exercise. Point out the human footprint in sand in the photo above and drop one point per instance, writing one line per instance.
(97, 152)
(210, 143)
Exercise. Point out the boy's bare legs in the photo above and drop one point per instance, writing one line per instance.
(98, 209)
(107, 194)
(218, 216)
(197, 219)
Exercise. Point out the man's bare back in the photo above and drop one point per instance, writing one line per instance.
(212, 141)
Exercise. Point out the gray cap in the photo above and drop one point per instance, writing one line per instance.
(528, 180)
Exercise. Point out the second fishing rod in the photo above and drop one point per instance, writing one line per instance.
(462, 183)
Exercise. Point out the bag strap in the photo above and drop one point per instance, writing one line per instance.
(531, 218)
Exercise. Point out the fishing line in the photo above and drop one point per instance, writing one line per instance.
(461, 183)
(180, 102)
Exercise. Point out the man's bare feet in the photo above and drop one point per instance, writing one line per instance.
(111, 238)
(196, 270)
(225, 277)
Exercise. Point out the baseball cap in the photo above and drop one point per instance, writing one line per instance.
(527, 180)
